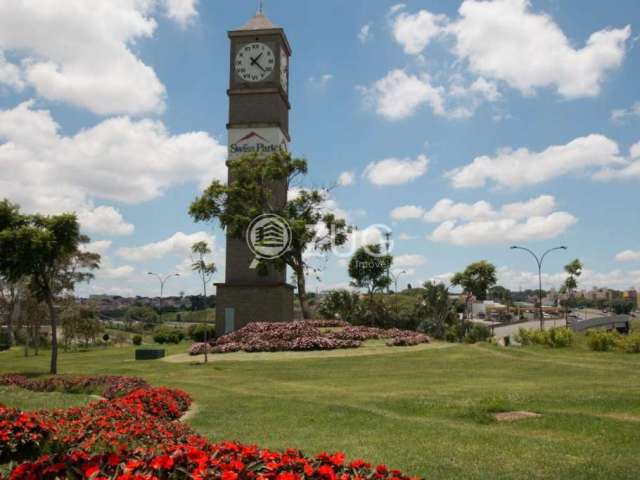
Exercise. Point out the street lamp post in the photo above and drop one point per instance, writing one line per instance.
(162, 281)
(539, 261)
(395, 277)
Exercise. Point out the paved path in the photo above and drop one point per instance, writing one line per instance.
(510, 330)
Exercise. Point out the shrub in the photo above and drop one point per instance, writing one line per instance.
(478, 333)
(137, 340)
(555, 337)
(168, 335)
(560, 337)
(601, 341)
(196, 332)
(631, 343)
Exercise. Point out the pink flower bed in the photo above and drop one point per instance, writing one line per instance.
(304, 335)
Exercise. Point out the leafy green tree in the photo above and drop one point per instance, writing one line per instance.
(47, 251)
(341, 304)
(368, 268)
(141, 313)
(476, 279)
(205, 271)
(500, 294)
(251, 194)
(436, 310)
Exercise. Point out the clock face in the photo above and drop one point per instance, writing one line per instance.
(254, 62)
(284, 70)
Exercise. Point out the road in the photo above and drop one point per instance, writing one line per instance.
(509, 330)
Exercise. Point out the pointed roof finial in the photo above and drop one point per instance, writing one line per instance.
(260, 6)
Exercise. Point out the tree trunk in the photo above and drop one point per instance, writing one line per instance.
(302, 292)
(53, 316)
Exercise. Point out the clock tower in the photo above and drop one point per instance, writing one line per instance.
(258, 123)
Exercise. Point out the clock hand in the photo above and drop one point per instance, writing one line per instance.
(254, 61)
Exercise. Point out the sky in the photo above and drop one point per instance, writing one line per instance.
(464, 127)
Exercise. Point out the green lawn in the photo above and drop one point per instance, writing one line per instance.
(423, 411)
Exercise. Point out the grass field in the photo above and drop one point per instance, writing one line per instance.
(427, 412)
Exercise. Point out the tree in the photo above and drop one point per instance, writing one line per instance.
(140, 313)
(368, 268)
(205, 271)
(476, 279)
(574, 270)
(10, 303)
(341, 304)
(47, 250)
(251, 194)
(436, 310)
(500, 294)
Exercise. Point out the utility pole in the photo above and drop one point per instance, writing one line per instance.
(387, 236)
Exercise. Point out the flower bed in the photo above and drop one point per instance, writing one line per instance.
(105, 386)
(304, 335)
(137, 437)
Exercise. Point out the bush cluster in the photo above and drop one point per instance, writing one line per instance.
(196, 332)
(303, 335)
(137, 437)
(137, 340)
(605, 341)
(557, 337)
(168, 335)
(478, 332)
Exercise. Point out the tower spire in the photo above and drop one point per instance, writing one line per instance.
(260, 6)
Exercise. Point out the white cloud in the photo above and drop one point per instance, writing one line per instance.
(320, 82)
(178, 244)
(399, 95)
(619, 279)
(517, 168)
(117, 272)
(407, 212)
(415, 31)
(81, 53)
(503, 231)
(104, 220)
(100, 246)
(119, 159)
(406, 237)
(182, 11)
(364, 35)
(446, 209)
(619, 115)
(346, 179)
(628, 256)
(395, 9)
(10, 74)
(505, 40)
(394, 171)
(521, 221)
(629, 170)
(408, 261)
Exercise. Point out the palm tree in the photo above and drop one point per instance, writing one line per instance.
(574, 270)
(205, 271)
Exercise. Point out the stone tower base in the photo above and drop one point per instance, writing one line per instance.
(238, 305)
